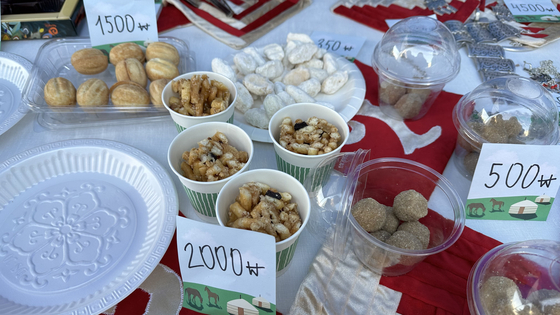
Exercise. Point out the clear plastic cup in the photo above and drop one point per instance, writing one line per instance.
(414, 60)
(509, 109)
(516, 278)
(382, 179)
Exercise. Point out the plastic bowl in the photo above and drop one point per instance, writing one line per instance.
(509, 109)
(414, 60)
(516, 278)
(383, 179)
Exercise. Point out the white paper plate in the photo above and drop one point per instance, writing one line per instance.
(347, 100)
(14, 71)
(83, 223)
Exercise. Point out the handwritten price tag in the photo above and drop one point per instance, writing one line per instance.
(344, 45)
(533, 10)
(230, 263)
(117, 21)
(514, 182)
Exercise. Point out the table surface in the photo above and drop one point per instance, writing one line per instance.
(155, 137)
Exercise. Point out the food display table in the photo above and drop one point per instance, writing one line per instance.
(154, 137)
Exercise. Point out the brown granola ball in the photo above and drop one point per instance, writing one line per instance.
(404, 240)
(390, 93)
(417, 229)
(410, 205)
(496, 294)
(381, 235)
(369, 214)
(409, 105)
(547, 300)
(391, 221)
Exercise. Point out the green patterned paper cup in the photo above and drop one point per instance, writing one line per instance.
(283, 183)
(299, 165)
(183, 122)
(203, 195)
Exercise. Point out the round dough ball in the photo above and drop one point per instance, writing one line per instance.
(129, 94)
(93, 92)
(496, 290)
(381, 235)
(417, 229)
(124, 51)
(59, 92)
(131, 69)
(390, 93)
(410, 205)
(404, 240)
(369, 214)
(156, 89)
(158, 68)
(164, 51)
(391, 221)
(409, 105)
(89, 61)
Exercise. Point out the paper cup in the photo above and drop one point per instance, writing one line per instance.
(299, 165)
(203, 195)
(183, 122)
(283, 183)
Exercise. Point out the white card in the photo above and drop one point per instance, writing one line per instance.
(117, 21)
(237, 265)
(508, 175)
(531, 7)
(343, 45)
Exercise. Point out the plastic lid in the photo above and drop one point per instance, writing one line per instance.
(418, 50)
(517, 278)
(501, 99)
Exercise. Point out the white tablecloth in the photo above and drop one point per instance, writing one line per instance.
(154, 137)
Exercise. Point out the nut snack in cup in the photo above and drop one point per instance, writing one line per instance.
(281, 183)
(401, 213)
(203, 194)
(414, 60)
(184, 120)
(508, 109)
(292, 159)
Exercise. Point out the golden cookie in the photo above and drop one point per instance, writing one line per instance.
(156, 89)
(164, 51)
(129, 94)
(93, 92)
(89, 61)
(158, 68)
(131, 69)
(60, 92)
(126, 50)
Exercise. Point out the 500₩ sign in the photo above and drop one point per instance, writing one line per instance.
(117, 21)
(514, 182)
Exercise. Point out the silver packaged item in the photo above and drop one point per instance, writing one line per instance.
(479, 32)
(495, 64)
(454, 25)
(485, 50)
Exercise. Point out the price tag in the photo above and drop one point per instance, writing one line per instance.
(514, 182)
(226, 267)
(533, 10)
(343, 45)
(118, 21)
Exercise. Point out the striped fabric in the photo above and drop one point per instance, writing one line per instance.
(284, 257)
(204, 204)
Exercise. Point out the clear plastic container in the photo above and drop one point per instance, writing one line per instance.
(53, 60)
(381, 179)
(414, 60)
(516, 278)
(509, 109)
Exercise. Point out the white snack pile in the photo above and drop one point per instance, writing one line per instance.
(275, 76)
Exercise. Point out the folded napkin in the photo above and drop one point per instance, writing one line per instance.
(252, 21)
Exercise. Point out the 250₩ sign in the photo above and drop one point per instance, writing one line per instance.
(514, 182)
(117, 21)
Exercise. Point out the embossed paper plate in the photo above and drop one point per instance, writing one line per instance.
(14, 71)
(347, 101)
(82, 224)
